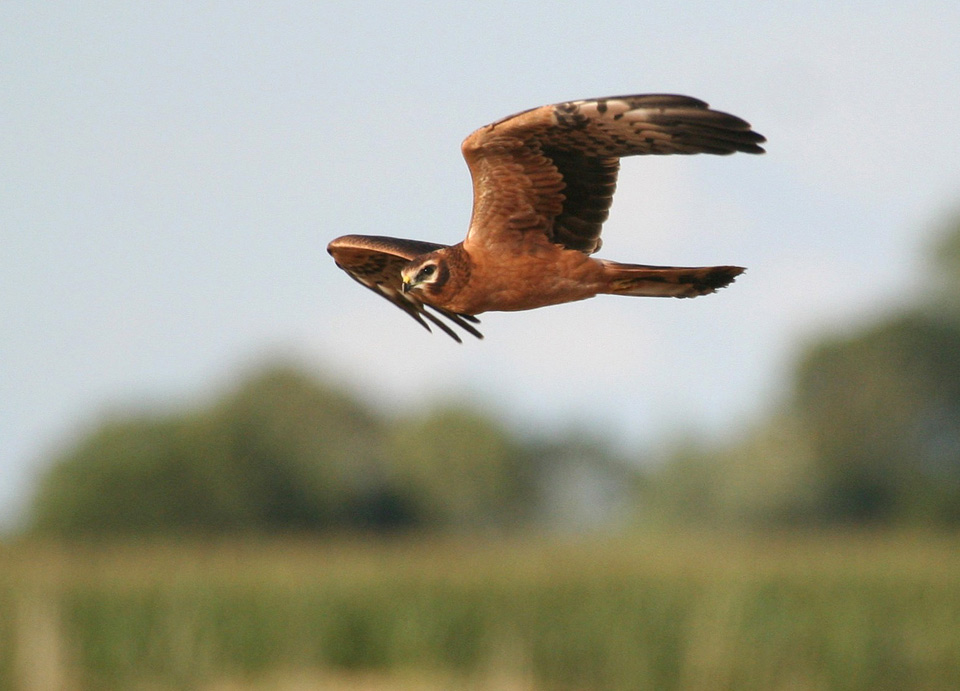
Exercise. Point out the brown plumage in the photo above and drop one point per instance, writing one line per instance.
(543, 183)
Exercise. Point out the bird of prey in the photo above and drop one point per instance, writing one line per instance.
(543, 183)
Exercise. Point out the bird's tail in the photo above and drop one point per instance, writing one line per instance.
(667, 281)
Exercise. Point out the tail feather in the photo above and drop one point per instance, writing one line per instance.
(667, 281)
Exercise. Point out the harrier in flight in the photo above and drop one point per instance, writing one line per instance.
(543, 183)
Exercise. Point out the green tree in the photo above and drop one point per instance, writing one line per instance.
(282, 452)
(882, 411)
(460, 468)
(302, 450)
(768, 477)
(134, 476)
(870, 431)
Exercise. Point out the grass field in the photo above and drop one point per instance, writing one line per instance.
(661, 611)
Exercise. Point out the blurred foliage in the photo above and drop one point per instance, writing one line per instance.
(868, 433)
(460, 469)
(285, 452)
(882, 410)
(280, 453)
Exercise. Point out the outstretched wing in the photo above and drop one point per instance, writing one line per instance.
(553, 170)
(376, 261)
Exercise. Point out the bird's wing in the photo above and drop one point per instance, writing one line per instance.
(553, 170)
(376, 261)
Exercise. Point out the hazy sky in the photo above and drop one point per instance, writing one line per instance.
(170, 174)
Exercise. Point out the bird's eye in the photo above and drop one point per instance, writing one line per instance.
(428, 270)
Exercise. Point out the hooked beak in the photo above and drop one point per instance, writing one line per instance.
(405, 284)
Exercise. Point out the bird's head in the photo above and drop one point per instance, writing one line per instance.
(425, 276)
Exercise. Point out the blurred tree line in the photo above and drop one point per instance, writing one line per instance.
(869, 432)
(287, 452)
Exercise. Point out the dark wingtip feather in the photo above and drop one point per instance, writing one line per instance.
(460, 320)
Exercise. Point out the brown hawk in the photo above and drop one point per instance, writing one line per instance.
(543, 183)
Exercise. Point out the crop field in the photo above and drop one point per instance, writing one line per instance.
(659, 611)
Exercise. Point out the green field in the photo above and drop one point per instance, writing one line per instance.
(662, 611)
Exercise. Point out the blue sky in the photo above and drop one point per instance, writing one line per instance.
(170, 174)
